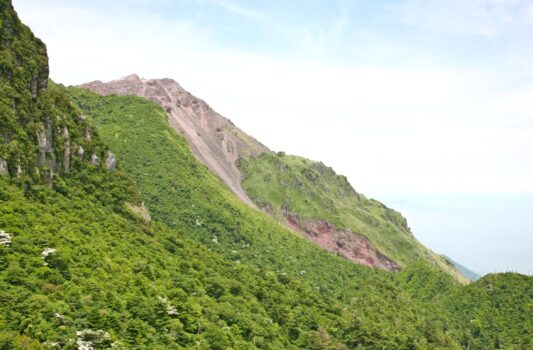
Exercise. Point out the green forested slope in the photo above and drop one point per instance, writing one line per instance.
(147, 287)
(497, 310)
(394, 308)
(79, 269)
(182, 192)
(284, 183)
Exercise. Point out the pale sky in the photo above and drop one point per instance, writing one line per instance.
(405, 97)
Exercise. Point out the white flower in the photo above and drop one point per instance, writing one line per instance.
(46, 253)
(5, 238)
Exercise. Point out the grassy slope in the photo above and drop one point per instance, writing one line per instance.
(313, 191)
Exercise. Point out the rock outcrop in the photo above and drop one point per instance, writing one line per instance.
(352, 246)
(66, 150)
(39, 124)
(80, 152)
(110, 161)
(140, 211)
(3, 167)
(214, 140)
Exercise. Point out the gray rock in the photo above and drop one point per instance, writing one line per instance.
(80, 152)
(111, 161)
(33, 86)
(66, 154)
(3, 167)
(41, 141)
(140, 211)
(87, 134)
(44, 140)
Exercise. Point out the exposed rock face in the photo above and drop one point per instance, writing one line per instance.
(110, 161)
(352, 246)
(66, 152)
(80, 152)
(38, 128)
(45, 142)
(214, 140)
(94, 159)
(3, 167)
(140, 211)
(87, 134)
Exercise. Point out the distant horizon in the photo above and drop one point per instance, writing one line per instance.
(469, 238)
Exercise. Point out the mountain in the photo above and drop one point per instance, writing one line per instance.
(310, 195)
(183, 193)
(138, 245)
(213, 139)
(306, 196)
(471, 275)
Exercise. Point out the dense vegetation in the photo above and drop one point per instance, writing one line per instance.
(40, 131)
(81, 269)
(290, 184)
(145, 287)
(412, 308)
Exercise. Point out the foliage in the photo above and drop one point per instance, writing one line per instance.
(208, 272)
(182, 192)
(379, 309)
(290, 184)
(39, 127)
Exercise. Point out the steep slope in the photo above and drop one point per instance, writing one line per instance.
(214, 140)
(41, 134)
(306, 193)
(80, 268)
(220, 145)
(184, 194)
(382, 310)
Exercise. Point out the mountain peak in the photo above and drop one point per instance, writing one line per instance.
(214, 140)
(131, 77)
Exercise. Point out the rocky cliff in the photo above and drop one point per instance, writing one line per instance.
(41, 133)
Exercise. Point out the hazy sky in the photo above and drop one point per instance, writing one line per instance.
(413, 99)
